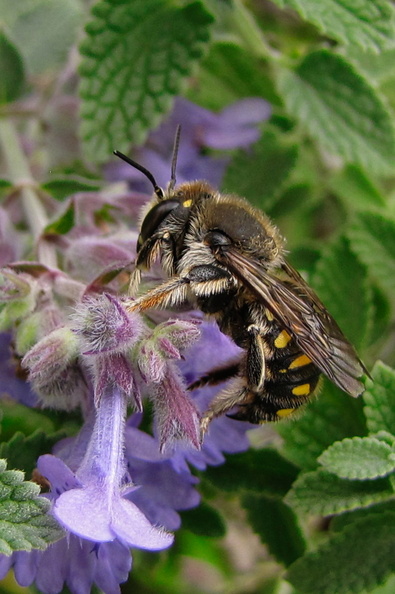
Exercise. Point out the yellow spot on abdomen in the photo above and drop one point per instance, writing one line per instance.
(300, 361)
(285, 412)
(282, 340)
(187, 203)
(302, 390)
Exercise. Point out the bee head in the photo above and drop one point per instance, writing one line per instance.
(164, 202)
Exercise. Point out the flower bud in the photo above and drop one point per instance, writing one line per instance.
(52, 367)
(164, 343)
(18, 292)
(103, 325)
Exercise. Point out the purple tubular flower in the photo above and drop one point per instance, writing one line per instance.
(96, 508)
(162, 488)
(73, 562)
(234, 127)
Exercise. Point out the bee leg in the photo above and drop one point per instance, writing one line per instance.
(233, 395)
(170, 293)
(199, 280)
(244, 387)
(255, 366)
(216, 376)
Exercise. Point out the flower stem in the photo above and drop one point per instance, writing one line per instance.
(21, 177)
(244, 25)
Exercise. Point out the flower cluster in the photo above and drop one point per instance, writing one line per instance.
(114, 486)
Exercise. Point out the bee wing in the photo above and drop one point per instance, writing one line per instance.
(299, 310)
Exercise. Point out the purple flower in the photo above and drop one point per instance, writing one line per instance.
(163, 489)
(72, 562)
(234, 127)
(96, 508)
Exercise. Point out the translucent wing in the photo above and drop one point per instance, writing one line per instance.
(295, 305)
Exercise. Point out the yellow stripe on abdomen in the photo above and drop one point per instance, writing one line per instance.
(302, 390)
(300, 361)
(282, 340)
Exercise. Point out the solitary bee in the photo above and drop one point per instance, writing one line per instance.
(226, 258)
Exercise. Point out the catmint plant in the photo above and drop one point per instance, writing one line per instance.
(106, 482)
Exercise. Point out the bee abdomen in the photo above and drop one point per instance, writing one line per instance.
(292, 378)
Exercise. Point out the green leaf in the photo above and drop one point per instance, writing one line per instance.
(24, 523)
(359, 458)
(36, 26)
(265, 471)
(62, 224)
(204, 520)
(276, 525)
(323, 493)
(360, 557)
(331, 417)
(5, 188)
(380, 67)
(261, 173)
(368, 24)
(338, 523)
(17, 417)
(340, 109)
(12, 71)
(61, 189)
(381, 316)
(372, 238)
(137, 57)
(22, 452)
(356, 189)
(229, 73)
(379, 399)
(341, 282)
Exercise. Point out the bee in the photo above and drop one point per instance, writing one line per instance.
(226, 258)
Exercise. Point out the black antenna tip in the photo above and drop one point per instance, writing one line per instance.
(158, 191)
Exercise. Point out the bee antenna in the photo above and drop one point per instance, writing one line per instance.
(176, 146)
(158, 190)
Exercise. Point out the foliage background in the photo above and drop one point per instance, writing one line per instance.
(310, 507)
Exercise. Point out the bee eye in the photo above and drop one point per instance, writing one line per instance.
(154, 218)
